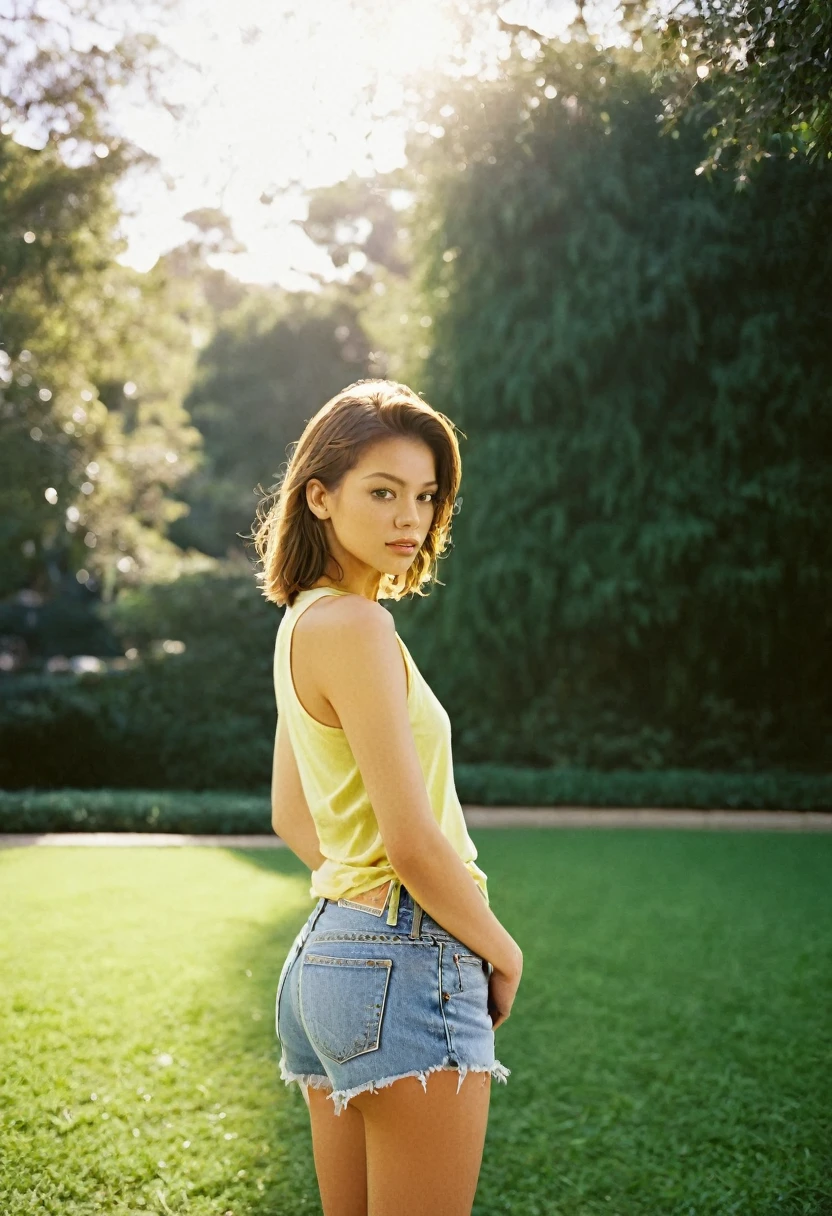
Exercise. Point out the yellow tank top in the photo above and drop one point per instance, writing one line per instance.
(348, 833)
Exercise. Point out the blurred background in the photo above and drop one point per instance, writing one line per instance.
(596, 236)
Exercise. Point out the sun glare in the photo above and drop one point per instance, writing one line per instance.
(277, 99)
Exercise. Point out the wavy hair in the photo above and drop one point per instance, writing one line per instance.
(290, 540)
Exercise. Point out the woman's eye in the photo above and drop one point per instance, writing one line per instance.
(427, 494)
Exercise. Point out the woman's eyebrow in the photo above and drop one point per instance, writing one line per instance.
(391, 477)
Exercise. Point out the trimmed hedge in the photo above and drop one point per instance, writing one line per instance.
(691, 789)
(115, 810)
(217, 812)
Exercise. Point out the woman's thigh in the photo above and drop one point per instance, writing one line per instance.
(424, 1145)
(340, 1155)
(404, 1148)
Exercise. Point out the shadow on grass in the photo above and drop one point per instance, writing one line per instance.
(281, 1136)
(139, 1064)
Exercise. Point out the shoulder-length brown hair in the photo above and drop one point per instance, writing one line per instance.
(289, 538)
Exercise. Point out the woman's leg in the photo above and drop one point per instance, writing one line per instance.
(340, 1155)
(424, 1146)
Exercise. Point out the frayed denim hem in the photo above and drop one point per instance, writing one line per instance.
(312, 1079)
(341, 1097)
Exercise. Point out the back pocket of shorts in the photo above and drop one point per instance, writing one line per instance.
(342, 1001)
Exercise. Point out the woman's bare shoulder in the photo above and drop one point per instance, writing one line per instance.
(337, 615)
(342, 630)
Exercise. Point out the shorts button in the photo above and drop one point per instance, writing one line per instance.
(446, 996)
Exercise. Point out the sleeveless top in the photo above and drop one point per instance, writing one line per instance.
(348, 833)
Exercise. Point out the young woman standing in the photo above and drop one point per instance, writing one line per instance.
(391, 992)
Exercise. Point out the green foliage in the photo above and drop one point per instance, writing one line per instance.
(198, 718)
(640, 359)
(118, 810)
(64, 64)
(356, 217)
(64, 624)
(502, 785)
(271, 364)
(758, 75)
(94, 358)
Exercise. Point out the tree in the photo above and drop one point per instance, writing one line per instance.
(61, 67)
(640, 361)
(94, 358)
(271, 364)
(760, 74)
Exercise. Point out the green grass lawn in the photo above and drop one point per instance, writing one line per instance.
(670, 1047)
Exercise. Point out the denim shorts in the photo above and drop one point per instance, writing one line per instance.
(361, 1004)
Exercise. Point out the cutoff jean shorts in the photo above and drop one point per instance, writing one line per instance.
(361, 1004)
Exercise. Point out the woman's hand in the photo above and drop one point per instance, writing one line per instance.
(502, 989)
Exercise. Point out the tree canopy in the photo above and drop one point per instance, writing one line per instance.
(640, 359)
(759, 74)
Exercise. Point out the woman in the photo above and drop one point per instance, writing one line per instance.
(390, 995)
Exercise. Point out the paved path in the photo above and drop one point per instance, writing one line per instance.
(475, 817)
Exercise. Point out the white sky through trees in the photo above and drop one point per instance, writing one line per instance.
(285, 99)
(271, 98)
(293, 96)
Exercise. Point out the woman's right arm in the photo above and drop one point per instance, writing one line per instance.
(360, 670)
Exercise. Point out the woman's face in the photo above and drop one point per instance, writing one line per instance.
(388, 496)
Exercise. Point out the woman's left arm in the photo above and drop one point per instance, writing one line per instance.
(291, 819)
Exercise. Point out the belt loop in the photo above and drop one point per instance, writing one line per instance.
(416, 928)
(393, 913)
(306, 929)
(315, 913)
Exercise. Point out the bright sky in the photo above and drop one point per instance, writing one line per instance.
(308, 100)
(279, 97)
(269, 113)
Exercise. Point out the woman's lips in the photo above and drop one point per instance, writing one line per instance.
(401, 548)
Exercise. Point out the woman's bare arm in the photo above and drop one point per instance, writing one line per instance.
(359, 668)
